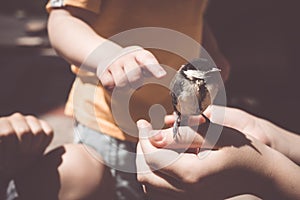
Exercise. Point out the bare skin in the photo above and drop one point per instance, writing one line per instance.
(277, 138)
(64, 22)
(63, 173)
(251, 166)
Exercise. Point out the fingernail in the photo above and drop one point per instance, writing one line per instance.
(140, 124)
(150, 62)
(161, 73)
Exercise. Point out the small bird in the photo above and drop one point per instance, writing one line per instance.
(193, 89)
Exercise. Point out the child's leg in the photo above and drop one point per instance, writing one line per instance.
(68, 172)
(120, 156)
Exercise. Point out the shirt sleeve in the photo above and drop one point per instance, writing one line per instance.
(91, 5)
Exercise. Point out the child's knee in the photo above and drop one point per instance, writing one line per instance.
(83, 174)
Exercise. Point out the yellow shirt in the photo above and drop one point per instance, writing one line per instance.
(88, 101)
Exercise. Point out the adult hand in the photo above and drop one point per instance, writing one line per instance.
(130, 68)
(240, 120)
(239, 164)
(23, 139)
(263, 130)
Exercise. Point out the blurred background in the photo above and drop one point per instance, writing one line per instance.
(259, 38)
(261, 41)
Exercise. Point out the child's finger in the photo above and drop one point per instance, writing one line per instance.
(23, 131)
(119, 76)
(107, 80)
(133, 71)
(148, 60)
(38, 134)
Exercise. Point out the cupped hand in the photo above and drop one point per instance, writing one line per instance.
(239, 165)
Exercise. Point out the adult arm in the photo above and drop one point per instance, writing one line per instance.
(284, 141)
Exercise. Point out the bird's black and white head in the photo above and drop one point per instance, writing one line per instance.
(197, 76)
(194, 88)
(198, 69)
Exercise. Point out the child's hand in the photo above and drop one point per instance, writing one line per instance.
(130, 68)
(22, 140)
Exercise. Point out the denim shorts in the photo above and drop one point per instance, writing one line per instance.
(119, 156)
